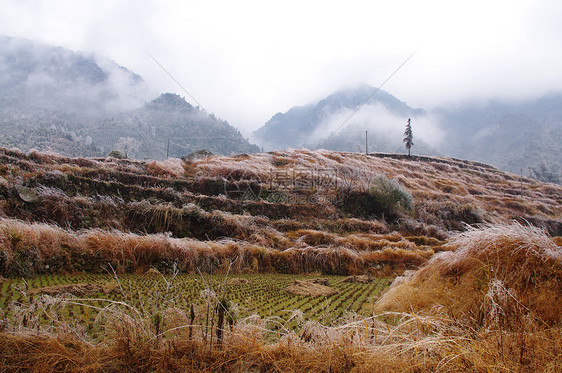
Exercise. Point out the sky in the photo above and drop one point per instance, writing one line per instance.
(244, 61)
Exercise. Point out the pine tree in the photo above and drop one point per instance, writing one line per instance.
(408, 137)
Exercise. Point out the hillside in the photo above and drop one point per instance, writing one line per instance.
(143, 133)
(300, 207)
(76, 104)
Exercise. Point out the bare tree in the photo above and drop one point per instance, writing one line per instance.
(408, 136)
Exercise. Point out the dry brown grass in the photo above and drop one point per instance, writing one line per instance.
(32, 248)
(412, 343)
(171, 167)
(505, 272)
(482, 192)
(492, 305)
(497, 196)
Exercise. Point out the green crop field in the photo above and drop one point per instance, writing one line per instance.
(80, 299)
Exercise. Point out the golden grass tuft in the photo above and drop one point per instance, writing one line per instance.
(505, 271)
(172, 167)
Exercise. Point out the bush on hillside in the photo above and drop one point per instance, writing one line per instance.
(199, 154)
(117, 154)
(390, 195)
(386, 198)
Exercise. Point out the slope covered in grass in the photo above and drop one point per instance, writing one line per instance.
(294, 211)
(497, 273)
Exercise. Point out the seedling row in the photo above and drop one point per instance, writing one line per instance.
(248, 294)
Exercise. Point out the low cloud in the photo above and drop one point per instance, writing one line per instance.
(380, 123)
(55, 78)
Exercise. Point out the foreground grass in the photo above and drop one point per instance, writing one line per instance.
(414, 344)
(493, 305)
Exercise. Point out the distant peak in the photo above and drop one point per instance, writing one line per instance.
(170, 101)
(362, 92)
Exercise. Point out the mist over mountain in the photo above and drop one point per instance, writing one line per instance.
(54, 99)
(511, 136)
(332, 123)
(77, 104)
(56, 78)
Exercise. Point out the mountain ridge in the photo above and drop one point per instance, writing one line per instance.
(79, 104)
(296, 126)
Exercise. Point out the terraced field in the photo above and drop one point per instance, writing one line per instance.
(84, 298)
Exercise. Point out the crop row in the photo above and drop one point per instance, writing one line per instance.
(262, 294)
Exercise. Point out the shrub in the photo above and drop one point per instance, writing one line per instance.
(118, 154)
(385, 198)
(390, 195)
(198, 154)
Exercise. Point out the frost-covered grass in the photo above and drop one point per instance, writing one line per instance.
(444, 191)
(36, 248)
